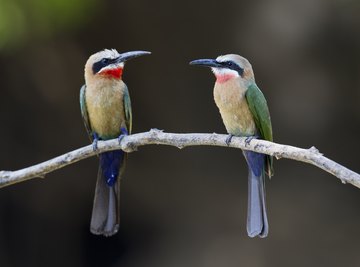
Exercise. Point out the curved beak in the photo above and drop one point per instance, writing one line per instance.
(130, 55)
(206, 63)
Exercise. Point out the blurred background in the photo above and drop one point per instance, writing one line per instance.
(180, 207)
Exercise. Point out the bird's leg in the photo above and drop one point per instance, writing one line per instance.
(95, 141)
(228, 139)
(123, 133)
(249, 138)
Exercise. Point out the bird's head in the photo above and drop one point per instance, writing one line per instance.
(228, 67)
(109, 64)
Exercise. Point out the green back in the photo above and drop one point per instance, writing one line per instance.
(128, 112)
(84, 112)
(260, 111)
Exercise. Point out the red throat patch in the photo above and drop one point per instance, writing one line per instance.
(114, 73)
(224, 77)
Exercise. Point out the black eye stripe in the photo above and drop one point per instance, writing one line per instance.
(97, 66)
(233, 66)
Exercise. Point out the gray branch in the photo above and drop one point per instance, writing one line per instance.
(157, 137)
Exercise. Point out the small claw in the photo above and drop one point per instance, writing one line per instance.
(95, 141)
(249, 138)
(95, 144)
(228, 139)
(121, 136)
(123, 133)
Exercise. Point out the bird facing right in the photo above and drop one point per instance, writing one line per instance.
(106, 111)
(244, 112)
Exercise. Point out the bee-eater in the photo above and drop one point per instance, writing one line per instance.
(106, 111)
(244, 111)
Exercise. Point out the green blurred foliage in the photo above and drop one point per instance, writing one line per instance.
(22, 20)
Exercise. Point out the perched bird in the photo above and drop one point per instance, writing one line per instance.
(244, 111)
(106, 111)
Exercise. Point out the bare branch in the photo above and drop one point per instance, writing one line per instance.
(157, 137)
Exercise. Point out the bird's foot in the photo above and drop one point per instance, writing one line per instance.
(228, 139)
(123, 133)
(95, 141)
(249, 138)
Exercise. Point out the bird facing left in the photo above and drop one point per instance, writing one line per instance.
(245, 112)
(106, 112)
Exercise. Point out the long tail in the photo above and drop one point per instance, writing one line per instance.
(105, 217)
(257, 222)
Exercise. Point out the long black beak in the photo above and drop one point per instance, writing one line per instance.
(207, 63)
(130, 55)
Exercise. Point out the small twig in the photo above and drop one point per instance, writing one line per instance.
(157, 137)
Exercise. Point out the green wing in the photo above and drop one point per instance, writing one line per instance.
(84, 112)
(127, 108)
(260, 111)
(128, 122)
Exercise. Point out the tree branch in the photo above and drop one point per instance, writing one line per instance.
(157, 137)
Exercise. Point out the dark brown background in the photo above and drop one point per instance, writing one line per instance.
(188, 207)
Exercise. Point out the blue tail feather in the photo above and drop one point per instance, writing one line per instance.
(110, 163)
(256, 161)
(257, 223)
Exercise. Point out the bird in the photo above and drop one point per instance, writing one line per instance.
(106, 111)
(245, 113)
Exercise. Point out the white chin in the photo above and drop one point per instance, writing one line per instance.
(223, 71)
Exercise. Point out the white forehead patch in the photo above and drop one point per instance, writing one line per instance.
(109, 53)
(221, 58)
(106, 53)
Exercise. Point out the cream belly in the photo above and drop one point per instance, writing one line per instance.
(105, 109)
(230, 99)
